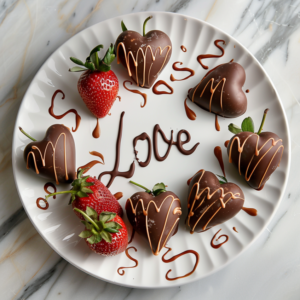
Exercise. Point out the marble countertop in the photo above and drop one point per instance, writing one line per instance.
(30, 31)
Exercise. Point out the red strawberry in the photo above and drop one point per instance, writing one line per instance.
(98, 86)
(105, 234)
(90, 192)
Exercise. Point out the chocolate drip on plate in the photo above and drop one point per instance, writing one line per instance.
(218, 154)
(189, 113)
(219, 245)
(250, 211)
(121, 269)
(204, 56)
(136, 92)
(183, 48)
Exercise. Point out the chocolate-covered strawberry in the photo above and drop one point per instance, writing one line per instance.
(220, 91)
(255, 155)
(54, 156)
(212, 201)
(90, 192)
(98, 86)
(154, 214)
(144, 56)
(105, 234)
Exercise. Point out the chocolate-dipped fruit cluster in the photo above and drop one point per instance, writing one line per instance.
(144, 56)
(54, 156)
(154, 214)
(212, 201)
(220, 91)
(255, 155)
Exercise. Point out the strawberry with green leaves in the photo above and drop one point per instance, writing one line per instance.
(90, 192)
(105, 234)
(98, 86)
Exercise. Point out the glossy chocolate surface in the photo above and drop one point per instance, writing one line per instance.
(155, 218)
(204, 213)
(220, 91)
(255, 157)
(144, 57)
(53, 157)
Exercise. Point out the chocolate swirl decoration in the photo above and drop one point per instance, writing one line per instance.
(54, 156)
(211, 203)
(255, 156)
(142, 137)
(155, 218)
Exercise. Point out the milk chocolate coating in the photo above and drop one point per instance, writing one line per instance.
(232, 207)
(47, 171)
(156, 220)
(268, 159)
(234, 100)
(133, 41)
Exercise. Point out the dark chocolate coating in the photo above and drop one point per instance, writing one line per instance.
(47, 171)
(133, 41)
(156, 220)
(234, 100)
(232, 207)
(269, 162)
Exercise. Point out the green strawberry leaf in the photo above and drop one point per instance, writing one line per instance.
(248, 125)
(111, 230)
(106, 236)
(86, 190)
(96, 49)
(92, 240)
(91, 213)
(77, 69)
(81, 194)
(234, 128)
(90, 66)
(123, 26)
(224, 179)
(159, 186)
(113, 225)
(76, 61)
(88, 225)
(106, 216)
(85, 234)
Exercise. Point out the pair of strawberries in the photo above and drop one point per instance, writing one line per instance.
(105, 232)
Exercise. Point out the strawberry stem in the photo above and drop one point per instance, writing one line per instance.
(21, 129)
(144, 25)
(263, 121)
(147, 190)
(87, 218)
(58, 193)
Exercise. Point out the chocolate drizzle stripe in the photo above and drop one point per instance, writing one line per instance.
(161, 82)
(145, 211)
(219, 245)
(241, 148)
(121, 269)
(135, 60)
(204, 56)
(136, 92)
(43, 157)
(142, 137)
(208, 196)
(177, 256)
(74, 111)
(192, 72)
(115, 172)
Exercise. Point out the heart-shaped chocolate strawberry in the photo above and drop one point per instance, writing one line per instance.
(155, 215)
(53, 157)
(211, 203)
(255, 155)
(144, 56)
(220, 91)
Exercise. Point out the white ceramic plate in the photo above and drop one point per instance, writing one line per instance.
(60, 227)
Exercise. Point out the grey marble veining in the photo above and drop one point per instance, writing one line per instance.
(30, 31)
